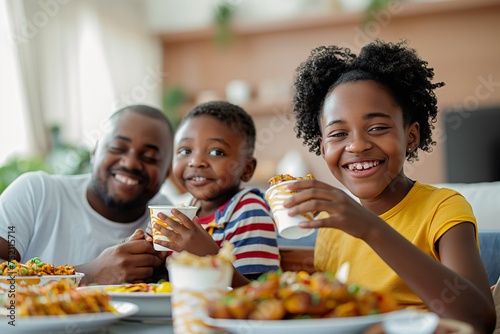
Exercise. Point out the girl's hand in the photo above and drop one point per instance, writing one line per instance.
(344, 212)
(186, 235)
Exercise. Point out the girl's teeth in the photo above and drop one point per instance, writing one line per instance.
(362, 166)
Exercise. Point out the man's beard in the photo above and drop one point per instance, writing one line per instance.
(102, 192)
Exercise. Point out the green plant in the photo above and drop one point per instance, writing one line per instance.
(374, 6)
(19, 165)
(173, 99)
(222, 19)
(61, 159)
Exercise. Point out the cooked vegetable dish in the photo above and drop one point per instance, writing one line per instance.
(298, 295)
(34, 267)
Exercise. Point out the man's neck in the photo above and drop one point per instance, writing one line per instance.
(118, 215)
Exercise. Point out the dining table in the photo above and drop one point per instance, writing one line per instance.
(139, 327)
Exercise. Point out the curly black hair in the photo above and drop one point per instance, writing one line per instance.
(231, 115)
(393, 65)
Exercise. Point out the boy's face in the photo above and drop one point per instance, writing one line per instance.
(211, 159)
(130, 162)
(364, 141)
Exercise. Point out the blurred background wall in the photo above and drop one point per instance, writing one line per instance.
(72, 63)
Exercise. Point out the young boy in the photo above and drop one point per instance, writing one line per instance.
(213, 154)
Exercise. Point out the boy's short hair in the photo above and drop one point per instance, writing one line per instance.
(229, 114)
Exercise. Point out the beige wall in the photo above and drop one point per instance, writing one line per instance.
(461, 40)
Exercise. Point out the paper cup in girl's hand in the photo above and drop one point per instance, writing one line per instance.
(196, 282)
(288, 226)
(189, 211)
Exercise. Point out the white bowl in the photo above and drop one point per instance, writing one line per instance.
(410, 322)
(11, 282)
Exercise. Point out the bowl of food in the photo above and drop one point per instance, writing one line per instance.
(153, 299)
(59, 307)
(298, 302)
(35, 272)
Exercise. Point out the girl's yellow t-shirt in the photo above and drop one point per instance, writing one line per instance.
(422, 217)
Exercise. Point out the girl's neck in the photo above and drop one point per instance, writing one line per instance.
(390, 196)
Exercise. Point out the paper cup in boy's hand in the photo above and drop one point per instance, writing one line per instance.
(196, 281)
(189, 211)
(288, 226)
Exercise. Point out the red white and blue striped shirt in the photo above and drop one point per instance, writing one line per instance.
(246, 222)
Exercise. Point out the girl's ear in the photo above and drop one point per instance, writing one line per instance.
(413, 137)
(321, 147)
(249, 169)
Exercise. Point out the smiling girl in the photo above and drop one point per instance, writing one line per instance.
(365, 115)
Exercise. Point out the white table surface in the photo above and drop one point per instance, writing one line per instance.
(129, 327)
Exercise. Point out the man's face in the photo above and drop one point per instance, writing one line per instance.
(130, 162)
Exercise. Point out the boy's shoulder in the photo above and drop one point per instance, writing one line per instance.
(247, 193)
(246, 199)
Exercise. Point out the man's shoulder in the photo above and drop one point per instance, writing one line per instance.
(44, 176)
(43, 180)
(160, 198)
(64, 180)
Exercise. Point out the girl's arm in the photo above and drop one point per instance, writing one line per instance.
(456, 288)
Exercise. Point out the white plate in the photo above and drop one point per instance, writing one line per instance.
(155, 306)
(317, 326)
(74, 323)
(5, 281)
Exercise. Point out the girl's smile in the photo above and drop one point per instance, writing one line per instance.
(364, 139)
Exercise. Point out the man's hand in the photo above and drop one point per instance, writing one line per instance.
(131, 261)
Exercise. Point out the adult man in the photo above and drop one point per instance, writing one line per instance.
(83, 220)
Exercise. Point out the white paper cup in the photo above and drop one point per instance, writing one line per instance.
(288, 227)
(193, 288)
(189, 211)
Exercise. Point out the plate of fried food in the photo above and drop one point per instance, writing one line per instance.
(35, 272)
(153, 300)
(298, 302)
(58, 307)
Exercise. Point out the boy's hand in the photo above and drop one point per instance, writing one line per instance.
(186, 235)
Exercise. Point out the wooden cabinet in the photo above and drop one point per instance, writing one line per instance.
(458, 38)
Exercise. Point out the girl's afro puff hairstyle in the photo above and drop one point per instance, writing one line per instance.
(393, 65)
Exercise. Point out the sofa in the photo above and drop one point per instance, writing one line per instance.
(485, 201)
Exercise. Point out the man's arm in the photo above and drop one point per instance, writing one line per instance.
(8, 251)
